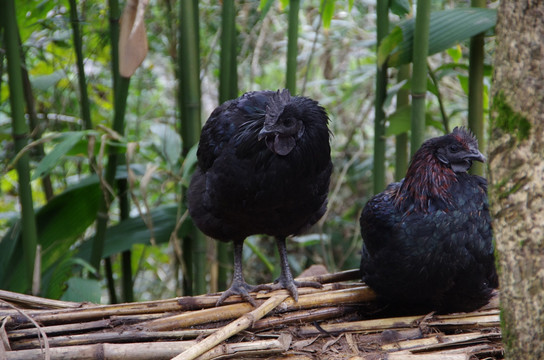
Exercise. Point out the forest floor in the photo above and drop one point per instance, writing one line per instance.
(342, 320)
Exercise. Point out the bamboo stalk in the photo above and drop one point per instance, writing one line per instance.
(378, 172)
(20, 137)
(292, 47)
(135, 351)
(247, 349)
(301, 317)
(363, 325)
(440, 341)
(231, 329)
(36, 301)
(419, 75)
(227, 312)
(110, 337)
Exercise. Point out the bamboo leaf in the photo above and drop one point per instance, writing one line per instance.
(80, 289)
(169, 142)
(132, 37)
(447, 28)
(123, 235)
(399, 121)
(69, 139)
(328, 12)
(400, 7)
(45, 82)
(264, 7)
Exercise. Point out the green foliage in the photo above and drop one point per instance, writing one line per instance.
(338, 66)
(447, 28)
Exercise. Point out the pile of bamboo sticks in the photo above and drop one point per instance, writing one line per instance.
(326, 323)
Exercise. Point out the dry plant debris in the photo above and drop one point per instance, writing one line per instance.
(342, 320)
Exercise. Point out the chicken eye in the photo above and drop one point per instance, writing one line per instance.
(288, 122)
(455, 148)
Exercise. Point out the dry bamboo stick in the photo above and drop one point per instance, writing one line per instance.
(363, 325)
(198, 317)
(227, 312)
(89, 312)
(473, 320)
(111, 337)
(250, 348)
(35, 301)
(135, 351)
(231, 329)
(433, 356)
(441, 341)
(301, 317)
(59, 329)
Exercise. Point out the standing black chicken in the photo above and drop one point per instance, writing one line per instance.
(264, 167)
(428, 238)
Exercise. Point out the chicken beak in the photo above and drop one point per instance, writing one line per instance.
(264, 132)
(478, 156)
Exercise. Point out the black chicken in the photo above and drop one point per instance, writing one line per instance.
(264, 167)
(428, 238)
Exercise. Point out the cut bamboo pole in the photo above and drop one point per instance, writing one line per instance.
(251, 348)
(231, 329)
(36, 302)
(198, 317)
(227, 312)
(136, 351)
(440, 341)
(111, 337)
(363, 325)
(303, 316)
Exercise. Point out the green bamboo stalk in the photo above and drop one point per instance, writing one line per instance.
(419, 76)
(292, 49)
(35, 130)
(122, 185)
(401, 141)
(83, 95)
(194, 245)
(228, 89)
(382, 13)
(476, 90)
(445, 118)
(20, 136)
(121, 86)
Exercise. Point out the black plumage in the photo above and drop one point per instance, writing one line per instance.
(264, 167)
(428, 238)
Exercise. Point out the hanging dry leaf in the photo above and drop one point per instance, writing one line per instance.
(132, 37)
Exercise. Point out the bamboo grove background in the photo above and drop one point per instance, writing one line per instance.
(94, 163)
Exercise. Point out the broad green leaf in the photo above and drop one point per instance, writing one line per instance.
(447, 28)
(400, 7)
(189, 165)
(123, 235)
(60, 222)
(80, 289)
(399, 122)
(456, 53)
(264, 7)
(168, 142)
(388, 44)
(69, 139)
(328, 12)
(45, 82)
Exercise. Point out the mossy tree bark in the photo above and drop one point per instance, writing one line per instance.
(516, 160)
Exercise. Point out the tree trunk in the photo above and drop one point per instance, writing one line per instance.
(516, 160)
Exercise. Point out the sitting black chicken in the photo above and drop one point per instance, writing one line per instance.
(264, 167)
(428, 238)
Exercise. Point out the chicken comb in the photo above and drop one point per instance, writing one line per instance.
(464, 135)
(276, 105)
